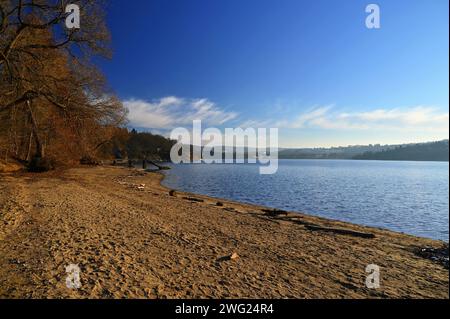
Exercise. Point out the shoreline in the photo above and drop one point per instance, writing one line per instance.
(143, 241)
(291, 212)
(364, 160)
(438, 233)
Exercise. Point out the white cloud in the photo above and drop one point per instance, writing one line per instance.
(307, 118)
(418, 118)
(409, 117)
(170, 112)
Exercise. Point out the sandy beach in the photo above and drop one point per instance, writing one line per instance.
(133, 238)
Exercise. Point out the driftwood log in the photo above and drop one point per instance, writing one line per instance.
(160, 167)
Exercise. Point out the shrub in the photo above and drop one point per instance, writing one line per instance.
(41, 164)
(89, 160)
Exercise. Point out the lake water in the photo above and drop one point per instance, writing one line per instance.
(409, 197)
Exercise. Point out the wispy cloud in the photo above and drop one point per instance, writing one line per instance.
(170, 112)
(420, 118)
(415, 117)
(161, 115)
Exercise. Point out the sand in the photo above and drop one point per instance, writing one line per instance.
(137, 241)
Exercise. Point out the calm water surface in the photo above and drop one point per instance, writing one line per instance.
(409, 197)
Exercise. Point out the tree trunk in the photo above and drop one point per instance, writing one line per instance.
(157, 165)
(30, 144)
(35, 133)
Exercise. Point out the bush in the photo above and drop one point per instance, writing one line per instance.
(41, 164)
(89, 160)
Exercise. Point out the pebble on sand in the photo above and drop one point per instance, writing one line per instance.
(234, 256)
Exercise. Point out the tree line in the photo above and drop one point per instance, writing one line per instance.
(432, 151)
(131, 144)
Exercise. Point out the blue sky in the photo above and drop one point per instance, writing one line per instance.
(310, 68)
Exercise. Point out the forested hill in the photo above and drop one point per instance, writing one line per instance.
(433, 151)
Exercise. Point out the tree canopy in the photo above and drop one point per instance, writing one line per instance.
(54, 102)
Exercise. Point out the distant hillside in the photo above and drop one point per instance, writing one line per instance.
(433, 151)
(343, 152)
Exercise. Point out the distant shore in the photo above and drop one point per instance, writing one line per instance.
(133, 238)
(365, 159)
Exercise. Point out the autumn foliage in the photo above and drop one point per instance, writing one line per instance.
(55, 107)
